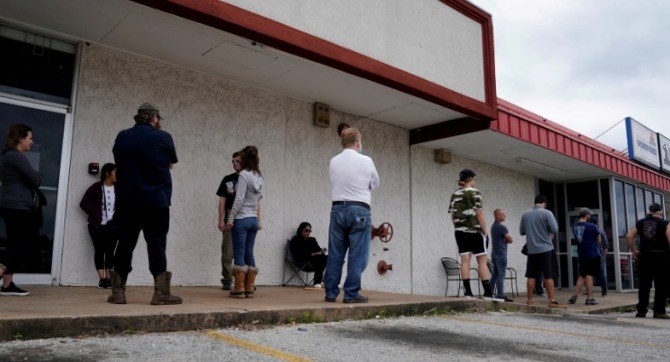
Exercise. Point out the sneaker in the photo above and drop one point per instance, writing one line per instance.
(661, 316)
(468, 296)
(556, 305)
(226, 284)
(102, 284)
(603, 294)
(12, 289)
(330, 299)
(508, 299)
(493, 298)
(591, 301)
(108, 283)
(572, 299)
(357, 299)
(640, 315)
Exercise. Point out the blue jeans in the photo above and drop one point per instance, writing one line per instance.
(244, 235)
(350, 229)
(498, 277)
(603, 275)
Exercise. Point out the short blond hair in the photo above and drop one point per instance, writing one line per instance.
(349, 137)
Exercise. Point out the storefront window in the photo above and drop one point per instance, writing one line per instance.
(583, 194)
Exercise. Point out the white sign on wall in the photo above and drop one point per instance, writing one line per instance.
(642, 144)
(664, 147)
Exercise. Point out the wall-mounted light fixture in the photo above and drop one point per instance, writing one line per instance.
(541, 166)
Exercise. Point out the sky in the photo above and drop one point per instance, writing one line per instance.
(585, 64)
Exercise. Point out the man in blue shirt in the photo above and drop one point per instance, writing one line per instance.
(144, 155)
(500, 237)
(588, 251)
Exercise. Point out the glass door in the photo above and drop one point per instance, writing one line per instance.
(46, 156)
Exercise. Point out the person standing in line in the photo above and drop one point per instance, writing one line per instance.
(353, 176)
(226, 193)
(653, 258)
(244, 222)
(305, 249)
(604, 248)
(144, 156)
(588, 251)
(500, 237)
(19, 205)
(99, 203)
(467, 214)
(539, 225)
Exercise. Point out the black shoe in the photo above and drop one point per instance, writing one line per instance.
(661, 316)
(101, 284)
(357, 299)
(12, 289)
(331, 299)
(604, 294)
(640, 314)
(226, 284)
(572, 299)
(591, 301)
(508, 300)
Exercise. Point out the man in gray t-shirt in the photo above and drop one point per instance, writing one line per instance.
(538, 225)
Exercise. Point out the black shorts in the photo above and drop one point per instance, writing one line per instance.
(470, 243)
(540, 263)
(589, 266)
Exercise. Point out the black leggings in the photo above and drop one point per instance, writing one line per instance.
(23, 231)
(104, 239)
(319, 264)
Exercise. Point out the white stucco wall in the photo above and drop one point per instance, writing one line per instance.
(432, 229)
(415, 36)
(210, 118)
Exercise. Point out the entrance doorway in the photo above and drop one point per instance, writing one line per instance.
(46, 156)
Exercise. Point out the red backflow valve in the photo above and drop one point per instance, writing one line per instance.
(383, 267)
(384, 232)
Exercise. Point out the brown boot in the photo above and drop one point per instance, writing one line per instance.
(249, 282)
(239, 274)
(118, 289)
(162, 294)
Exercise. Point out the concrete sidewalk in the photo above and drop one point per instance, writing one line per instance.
(74, 311)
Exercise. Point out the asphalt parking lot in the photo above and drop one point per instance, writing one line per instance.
(505, 336)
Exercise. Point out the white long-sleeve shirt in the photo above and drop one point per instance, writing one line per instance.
(353, 176)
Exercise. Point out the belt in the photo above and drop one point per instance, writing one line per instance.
(352, 203)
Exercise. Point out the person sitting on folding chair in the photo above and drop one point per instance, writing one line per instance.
(306, 249)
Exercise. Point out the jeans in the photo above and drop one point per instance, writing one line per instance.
(498, 276)
(154, 223)
(350, 229)
(603, 275)
(244, 236)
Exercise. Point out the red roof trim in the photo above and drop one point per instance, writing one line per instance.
(232, 19)
(522, 124)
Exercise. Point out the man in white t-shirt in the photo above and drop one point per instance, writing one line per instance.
(353, 176)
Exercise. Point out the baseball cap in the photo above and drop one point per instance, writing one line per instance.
(584, 211)
(147, 108)
(465, 174)
(655, 207)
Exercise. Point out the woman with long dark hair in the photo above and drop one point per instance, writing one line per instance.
(305, 248)
(244, 221)
(19, 205)
(99, 203)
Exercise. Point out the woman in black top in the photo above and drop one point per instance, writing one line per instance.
(306, 249)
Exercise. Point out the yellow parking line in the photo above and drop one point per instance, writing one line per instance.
(558, 331)
(256, 347)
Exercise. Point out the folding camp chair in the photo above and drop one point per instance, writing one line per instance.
(296, 268)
